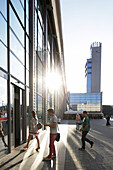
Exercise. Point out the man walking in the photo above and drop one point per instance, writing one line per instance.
(53, 133)
(85, 129)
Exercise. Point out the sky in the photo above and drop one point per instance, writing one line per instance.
(85, 22)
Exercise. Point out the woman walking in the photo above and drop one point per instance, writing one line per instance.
(78, 121)
(33, 130)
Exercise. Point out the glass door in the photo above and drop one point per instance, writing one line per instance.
(17, 116)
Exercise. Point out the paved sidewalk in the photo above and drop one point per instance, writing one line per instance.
(100, 157)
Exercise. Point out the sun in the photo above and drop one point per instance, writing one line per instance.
(53, 81)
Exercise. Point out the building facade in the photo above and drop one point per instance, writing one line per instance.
(91, 101)
(32, 68)
(93, 69)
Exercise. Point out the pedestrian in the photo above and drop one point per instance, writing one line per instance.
(53, 133)
(33, 130)
(85, 129)
(108, 121)
(78, 121)
(2, 134)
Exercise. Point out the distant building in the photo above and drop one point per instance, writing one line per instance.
(92, 100)
(93, 69)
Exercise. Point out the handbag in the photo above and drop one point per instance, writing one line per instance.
(39, 126)
(58, 136)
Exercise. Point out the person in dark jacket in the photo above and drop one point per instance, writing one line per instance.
(85, 129)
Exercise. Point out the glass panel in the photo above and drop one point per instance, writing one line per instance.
(17, 69)
(20, 11)
(27, 60)
(16, 47)
(27, 8)
(39, 35)
(39, 77)
(27, 25)
(3, 56)
(15, 25)
(12, 115)
(27, 77)
(40, 108)
(3, 8)
(27, 16)
(86, 101)
(3, 75)
(3, 30)
(35, 30)
(40, 17)
(27, 44)
(27, 114)
(3, 116)
(22, 1)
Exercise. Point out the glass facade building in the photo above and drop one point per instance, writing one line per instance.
(91, 102)
(93, 69)
(31, 48)
(88, 74)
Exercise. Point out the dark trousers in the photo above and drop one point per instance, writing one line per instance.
(84, 133)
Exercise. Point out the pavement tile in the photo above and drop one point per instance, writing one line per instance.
(100, 157)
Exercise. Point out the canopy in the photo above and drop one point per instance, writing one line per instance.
(73, 112)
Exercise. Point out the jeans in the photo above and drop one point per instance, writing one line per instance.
(84, 133)
(77, 126)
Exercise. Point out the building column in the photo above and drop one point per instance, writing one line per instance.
(51, 58)
(45, 62)
(8, 82)
(31, 53)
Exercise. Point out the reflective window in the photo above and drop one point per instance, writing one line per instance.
(27, 114)
(89, 83)
(19, 9)
(86, 101)
(12, 115)
(3, 56)
(39, 108)
(3, 8)
(3, 75)
(17, 69)
(40, 16)
(40, 37)
(27, 77)
(27, 8)
(35, 30)
(39, 77)
(16, 47)
(15, 25)
(27, 44)
(27, 60)
(3, 30)
(27, 16)
(22, 1)
(3, 115)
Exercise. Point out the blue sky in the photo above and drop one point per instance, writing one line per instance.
(85, 22)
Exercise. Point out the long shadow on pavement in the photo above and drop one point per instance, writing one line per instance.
(90, 159)
(21, 151)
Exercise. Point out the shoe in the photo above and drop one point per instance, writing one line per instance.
(6, 145)
(81, 149)
(37, 149)
(92, 144)
(47, 158)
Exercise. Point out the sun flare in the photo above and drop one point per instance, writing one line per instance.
(53, 81)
